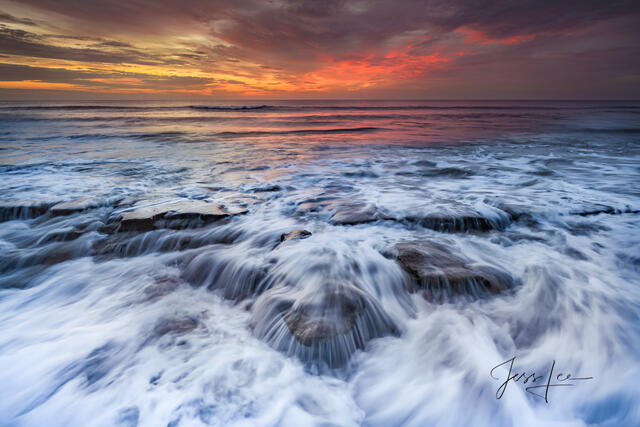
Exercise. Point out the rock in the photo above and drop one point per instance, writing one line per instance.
(179, 325)
(607, 210)
(237, 275)
(315, 204)
(78, 205)
(25, 209)
(353, 214)
(142, 219)
(49, 254)
(324, 326)
(440, 274)
(177, 214)
(162, 286)
(127, 201)
(298, 233)
(130, 244)
(64, 235)
(447, 172)
(518, 213)
(332, 314)
(266, 189)
(341, 211)
(460, 224)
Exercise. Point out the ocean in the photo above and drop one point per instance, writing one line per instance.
(149, 276)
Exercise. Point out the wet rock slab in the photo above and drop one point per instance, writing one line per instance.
(24, 209)
(175, 214)
(74, 206)
(353, 214)
(324, 326)
(439, 274)
(460, 223)
(236, 277)
(598, 209)
(341, 211)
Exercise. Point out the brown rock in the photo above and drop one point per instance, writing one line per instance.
(78, 205)
(176, 326)
(298, 233)
(438, 273)
(174, 214)
(354, 214)
(326, 325)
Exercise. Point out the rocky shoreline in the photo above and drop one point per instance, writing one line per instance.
(323, 321)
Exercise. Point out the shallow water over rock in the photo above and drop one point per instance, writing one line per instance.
(440, 274)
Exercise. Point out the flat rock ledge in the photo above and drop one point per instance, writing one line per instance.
(439, 274)
(24, 209)
(470, 223)
(74, 206)
(178, 214)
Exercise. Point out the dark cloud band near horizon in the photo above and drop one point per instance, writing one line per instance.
(312, 49)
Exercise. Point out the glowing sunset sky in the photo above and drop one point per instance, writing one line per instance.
(319, 49)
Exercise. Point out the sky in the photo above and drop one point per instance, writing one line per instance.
(331, 49)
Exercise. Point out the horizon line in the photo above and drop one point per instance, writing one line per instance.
(333, 99)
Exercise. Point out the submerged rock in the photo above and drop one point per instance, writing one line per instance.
(440, 274)
(341, 211)
(128, 244)
(266, 189)
(63, 235)
(353, 214)
(607, 210)
(324, 326)
(446, 172)
(237, 277)
(462, 223)
(180, 325)
(25, 209)
(163, 285)
(298, 233)
(315, 204)
(178, 214)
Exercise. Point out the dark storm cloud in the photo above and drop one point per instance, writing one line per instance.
(113, 43)
(10, 19)
(509, 18)
(301, 29)
(24, 43)
(501, 18)
(11, 72)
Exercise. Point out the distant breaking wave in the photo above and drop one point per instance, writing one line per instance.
(186, 136)
(611, 130)
(229, 107)
(297, 132)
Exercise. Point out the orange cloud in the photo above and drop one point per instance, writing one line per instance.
(37, 84)
(372, 70)
(479, 37)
